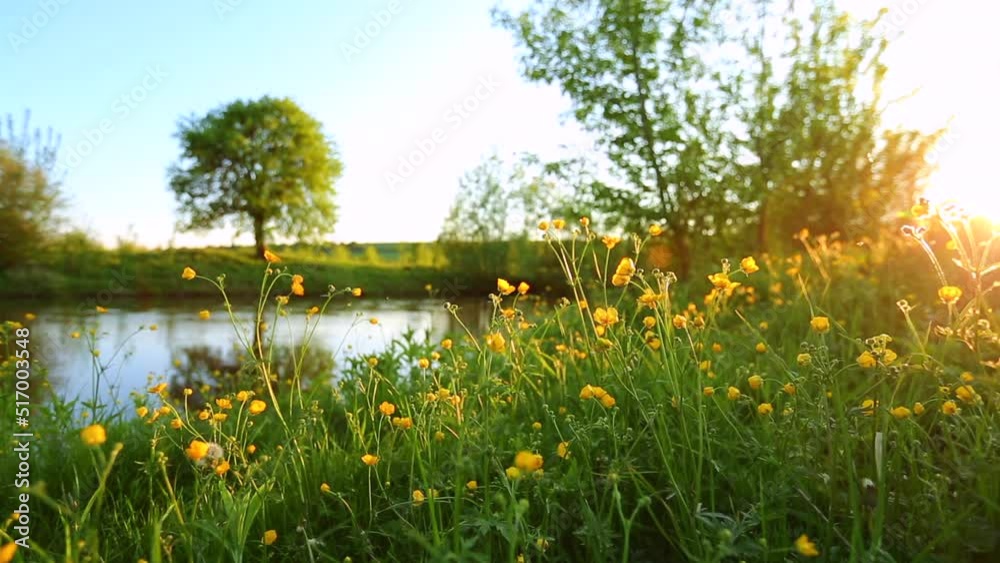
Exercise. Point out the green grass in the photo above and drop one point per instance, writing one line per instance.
(668, 472)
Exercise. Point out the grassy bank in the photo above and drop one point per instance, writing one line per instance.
(383, 270)
(769, 420)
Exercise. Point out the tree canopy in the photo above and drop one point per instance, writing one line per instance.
(706, 110)
(263, 166)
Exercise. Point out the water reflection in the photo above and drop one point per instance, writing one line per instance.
(183, 342)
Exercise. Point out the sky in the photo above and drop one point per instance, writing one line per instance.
(429, 81)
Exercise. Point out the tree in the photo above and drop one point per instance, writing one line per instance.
(818, 155)
(635, 73)
(717, 126)
(263, 166)
(29, 194)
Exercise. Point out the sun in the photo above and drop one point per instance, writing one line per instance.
(978, 195)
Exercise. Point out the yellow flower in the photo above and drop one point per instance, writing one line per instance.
(30, 316)
(141, 412)
(189, 274)
(708, 391)
(623, 273)
(868, 407)
(543, 226)
(403, 422)
(606, 317)
(760, 347)
(153, 327)
(472, 485)
(749, 265)
(967, 377)
(447, 344)
(251, 449)
(418, 497)
(356, 292)
(918, 408)
(649, 298)
(324, 488)
(587, 392)
(224, 403)
(820, 324)
(176, 424)
(297, 288)
(204, 314)
(755, 381)
(439, 436)
(204, 415)
(257, 406)
(528, 461)
(562, 450)
(732, 393)
(505, 287)
(536, 426)
(804, 359)
(369, 459)
(966, 393)
(607, 401)
(197, 450)
(655, 230)
(243, 396)
(270, 536)
(523, 288)
(765, 408)
(867, 360)
(372, 361)
(558, 224)
(806, 547)
(513, 473)
(888, 356)
(157, 389)
(949, 408)
(649, 322)
(717, 348)
(387, 408)
(610, 242)
(94, 435)
(424, 363)
(222, 468)
(220, 417)
(680, 321)
(719, 280)
(900, 412)
(789, 388)
(373, 321)
(271, 257)
(950, 294)
(75, 334)
(7, 552)
(100, 309)
(312, 311)
(496, 342)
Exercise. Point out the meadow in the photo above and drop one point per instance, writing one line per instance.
(838, 403)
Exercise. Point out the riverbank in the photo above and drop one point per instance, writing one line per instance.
(399, 270)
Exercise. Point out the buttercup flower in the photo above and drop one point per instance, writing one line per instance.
(523, 288)
(966, 393)
(732, 393)
(369, 459)
(866, 360)
(189, 274)
(356, 292)
(197, 450)
(749, 265)
(820, 324)
(623, 273)
(655, 230)
(204, 314)
(806, 547)
(918, 408)
(900, 412)
(257, 406)
(789, 388)
(505, 287)
(680, 321)
(222, 468)
(324, 488)
(950, 294)
(387, 408)
(558, 224)
(94, 435)
(949, 408)
(271, 257)
(528, 461)
(496, 342)
(755, 381)
(562, 450)
(270, 537)
(447, 344)
(418, 497)
(708, 391)
(765, 408)
(610, 242)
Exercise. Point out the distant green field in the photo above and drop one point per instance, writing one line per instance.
(383, 270)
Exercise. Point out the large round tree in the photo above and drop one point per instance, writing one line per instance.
(263, 166)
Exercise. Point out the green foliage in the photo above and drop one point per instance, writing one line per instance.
(717, 125)
(264, 166)
(29, 194)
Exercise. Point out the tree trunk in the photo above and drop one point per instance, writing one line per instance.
(258, 235)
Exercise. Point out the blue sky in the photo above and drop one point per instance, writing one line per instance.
(113, 78)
